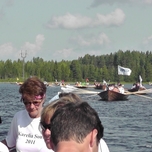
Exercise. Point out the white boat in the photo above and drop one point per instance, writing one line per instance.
(68, 88)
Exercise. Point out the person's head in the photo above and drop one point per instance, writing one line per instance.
(33, 92)
(49, 110)
(77, 122)
(70, 96)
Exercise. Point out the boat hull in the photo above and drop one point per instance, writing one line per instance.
(81, 87)
(110, 95)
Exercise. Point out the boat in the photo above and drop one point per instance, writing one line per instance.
(111, 95)
(100, 86)
(136, 89)
(19, 83)
(81, 85)
(68, 88)
(150, 83)
(114, 93)
(137, 86)
(46, 83)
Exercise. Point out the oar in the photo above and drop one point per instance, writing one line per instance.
(77, 90)
(83, 91)
(143, 96)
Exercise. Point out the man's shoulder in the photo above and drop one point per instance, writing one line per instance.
(103, 146)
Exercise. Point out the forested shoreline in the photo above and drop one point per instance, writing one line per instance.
(90, 66)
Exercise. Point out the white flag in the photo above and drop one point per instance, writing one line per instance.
(140, 79)
(123, 71)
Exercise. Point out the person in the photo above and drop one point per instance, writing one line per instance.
(24, 134)
(76, 126)
(72, 96)
(3, 147)
(49, 110)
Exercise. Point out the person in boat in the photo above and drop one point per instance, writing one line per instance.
(24, 134)
(3, 148)
(121, 88)
(111, 87)
(71, 129)
(49, 110)
(135, 87)
(117, 88)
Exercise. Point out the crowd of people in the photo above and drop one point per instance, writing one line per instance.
(65, 124)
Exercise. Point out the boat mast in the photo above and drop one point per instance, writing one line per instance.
(23, 56)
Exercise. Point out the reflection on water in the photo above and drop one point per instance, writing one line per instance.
(127, 124)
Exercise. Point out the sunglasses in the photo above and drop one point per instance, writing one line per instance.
(44, 126)
(35, 103)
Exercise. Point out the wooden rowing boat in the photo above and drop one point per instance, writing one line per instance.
(136, 89)
(110, 95)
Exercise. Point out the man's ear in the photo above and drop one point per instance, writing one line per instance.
(93, 137)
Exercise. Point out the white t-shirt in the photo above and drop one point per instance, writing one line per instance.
(3, 148)
(103, 146)
(24, 134)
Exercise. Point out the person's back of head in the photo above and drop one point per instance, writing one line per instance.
(49, 110)
(77, 122)
(72, 97)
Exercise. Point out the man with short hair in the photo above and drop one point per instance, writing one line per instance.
(76, 127)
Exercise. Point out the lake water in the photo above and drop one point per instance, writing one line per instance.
(127, 124)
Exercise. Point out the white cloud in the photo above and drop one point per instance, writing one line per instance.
(100, 39)
(7, 51)
(147, 40)
(111, 2)
(7, 48)
(146, 44)
(64, 53)
(69, 21)
(115, 18)
(33, 48)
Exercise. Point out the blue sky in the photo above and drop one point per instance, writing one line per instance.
(67, 29)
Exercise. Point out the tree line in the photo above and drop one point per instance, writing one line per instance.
(90, 66)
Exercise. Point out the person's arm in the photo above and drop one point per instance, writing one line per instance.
(10, 140)
(5, 143)
(3, 147)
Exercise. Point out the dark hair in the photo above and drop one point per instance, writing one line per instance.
(74, 121)
(32, 87)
